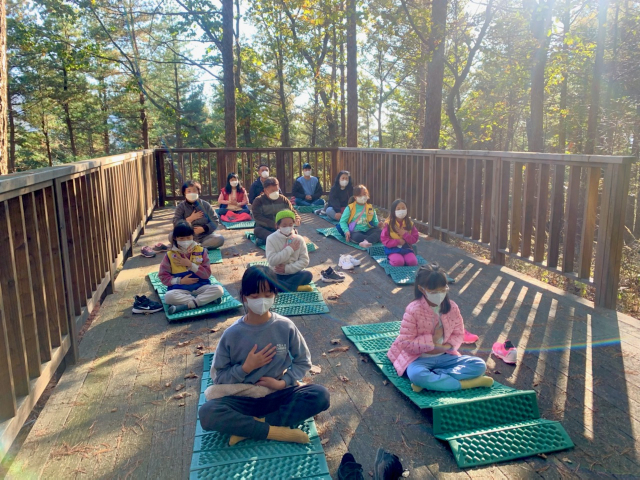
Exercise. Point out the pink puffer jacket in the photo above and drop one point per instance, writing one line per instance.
(416, 333)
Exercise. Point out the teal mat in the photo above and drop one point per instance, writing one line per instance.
(482, 425)
(400, 275)
(333, 232)
(329, 219)
(214, 459)
(227, 302)
(307, 208)
(311, 247)
(215, 255)
(238, 225)
(291, 304)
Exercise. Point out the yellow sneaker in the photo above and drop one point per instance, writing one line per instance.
(305, 288)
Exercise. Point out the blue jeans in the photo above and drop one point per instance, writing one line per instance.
(223, 210)
(303, 203)
(331, 212)
(444, 372)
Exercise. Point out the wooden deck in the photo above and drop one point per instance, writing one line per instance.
(112, 415)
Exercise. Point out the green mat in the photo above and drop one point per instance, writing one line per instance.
(400, 275)
(306, 208)
(227, 302)
(482, 425)
(329, 219)
(238, 225)
(214, 459)
(215, 255)
(333, 232)
(311, 247)
(291, 304)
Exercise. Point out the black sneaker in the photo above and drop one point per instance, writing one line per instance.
(331, 276)
(349, 469)
(144, 305)
(387, 466)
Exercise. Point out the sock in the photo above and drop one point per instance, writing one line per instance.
(483, 381)
(237, 438)
(286, 434)
(305, 288)
(416, 388)
(177, 308)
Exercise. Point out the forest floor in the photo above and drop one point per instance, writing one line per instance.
(112, 416)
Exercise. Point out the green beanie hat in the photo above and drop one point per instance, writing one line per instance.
(285, 214)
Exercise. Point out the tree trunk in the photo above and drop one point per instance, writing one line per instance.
(245, 116)
(144, 124)
(562, 124)
(435, 75)
(178, 107)
(285, 137)
(11, 167)
(105, 117)
(47, 143)
(612, 92)
(230, 132)
(67, 113)
(343, 109)
(314, 120)
(352, 75)
(4, 87)
(540, 28)
(421, 86)
(380, 102)
(594, 107)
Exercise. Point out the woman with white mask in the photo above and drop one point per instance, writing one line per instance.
(339, 195)
(199, 214)
(185, 270)
(287, 255)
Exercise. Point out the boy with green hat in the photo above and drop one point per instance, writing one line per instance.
(287, 255)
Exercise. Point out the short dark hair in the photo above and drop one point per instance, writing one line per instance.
(257, 279)
(432, 277)
(182, 229)
(191, 183)
(270, 182)
(306, 166)
(262, 165)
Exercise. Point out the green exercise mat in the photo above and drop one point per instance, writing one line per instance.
(405, 275)
(307, 208)
(215, 255)
(329, 219)
(238, 225)
(311, 247)
(482, 425)
(214, 459)
(227, 302)
(333, 232)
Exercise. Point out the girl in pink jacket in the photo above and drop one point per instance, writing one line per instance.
(431, 332)
(398, 236)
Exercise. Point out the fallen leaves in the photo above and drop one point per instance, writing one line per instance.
(114, 410)
(543, 456)
(335, 341)
(364, 358)
(333, 297)
(385, 382)
(214, 330)
(191, 375)
(343, 378)
(324, 442)
(182, 395)
(339, 349)
(179, 387)
(497, 372)
(183, 344)
(315, 370)
(168, 384)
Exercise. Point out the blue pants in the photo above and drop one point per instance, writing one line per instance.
(223, 210)
(444, 372)
(331, 212)
(304, 203)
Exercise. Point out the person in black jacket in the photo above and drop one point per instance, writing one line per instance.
(341, 192)
(307, 189)
(256, 187)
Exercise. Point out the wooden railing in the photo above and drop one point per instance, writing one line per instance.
(563, 213)
(64, 231)
(211, 166)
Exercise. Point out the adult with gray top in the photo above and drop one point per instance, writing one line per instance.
(199, 214)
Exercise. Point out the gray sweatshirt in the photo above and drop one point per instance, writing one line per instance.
(291, 362)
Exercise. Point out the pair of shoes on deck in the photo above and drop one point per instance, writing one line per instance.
(387, 467)
(347, 262)
(331, 276)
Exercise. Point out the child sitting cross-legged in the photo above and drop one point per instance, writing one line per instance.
(185, 269)
(257, 369)
(431, 332)
(398, 236)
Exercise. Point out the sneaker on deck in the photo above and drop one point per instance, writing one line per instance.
(160, 247)
(387, 466)
(147, 252)
(345, 262)
(505, 351)
(349, 469)
(331, 276)
(469, 337)
(144, 305)
(354, 261)
(365, 244)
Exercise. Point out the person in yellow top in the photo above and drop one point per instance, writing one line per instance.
(359, 221)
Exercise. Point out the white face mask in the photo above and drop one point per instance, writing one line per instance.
(361, 200)
(401, 214)
(192, 197)
(233, 183)
(306, 173)
(265, 174)
(185, 244)
(274, 195)
(436, 298)
(260, 306)
(286, 230)
(344, 183)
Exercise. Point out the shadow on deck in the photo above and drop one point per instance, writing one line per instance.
(113, 414)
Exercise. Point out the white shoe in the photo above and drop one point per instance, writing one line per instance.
(354, 261)
(345, 262)
(365, 244)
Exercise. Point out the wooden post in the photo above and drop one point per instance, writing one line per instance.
(499, 210)
(516, 208)
(610, 238)
(570, 219)
(432, 195)
(589, 222)
(557, 212)
(280, 172)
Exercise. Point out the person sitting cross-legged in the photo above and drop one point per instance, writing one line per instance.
(266, 206)
(307, 189)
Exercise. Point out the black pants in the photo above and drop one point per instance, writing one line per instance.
(372, 236)
(262, 232)
(289, 407)
(290, 283)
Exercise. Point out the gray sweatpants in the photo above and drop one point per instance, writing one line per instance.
(202, 296)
